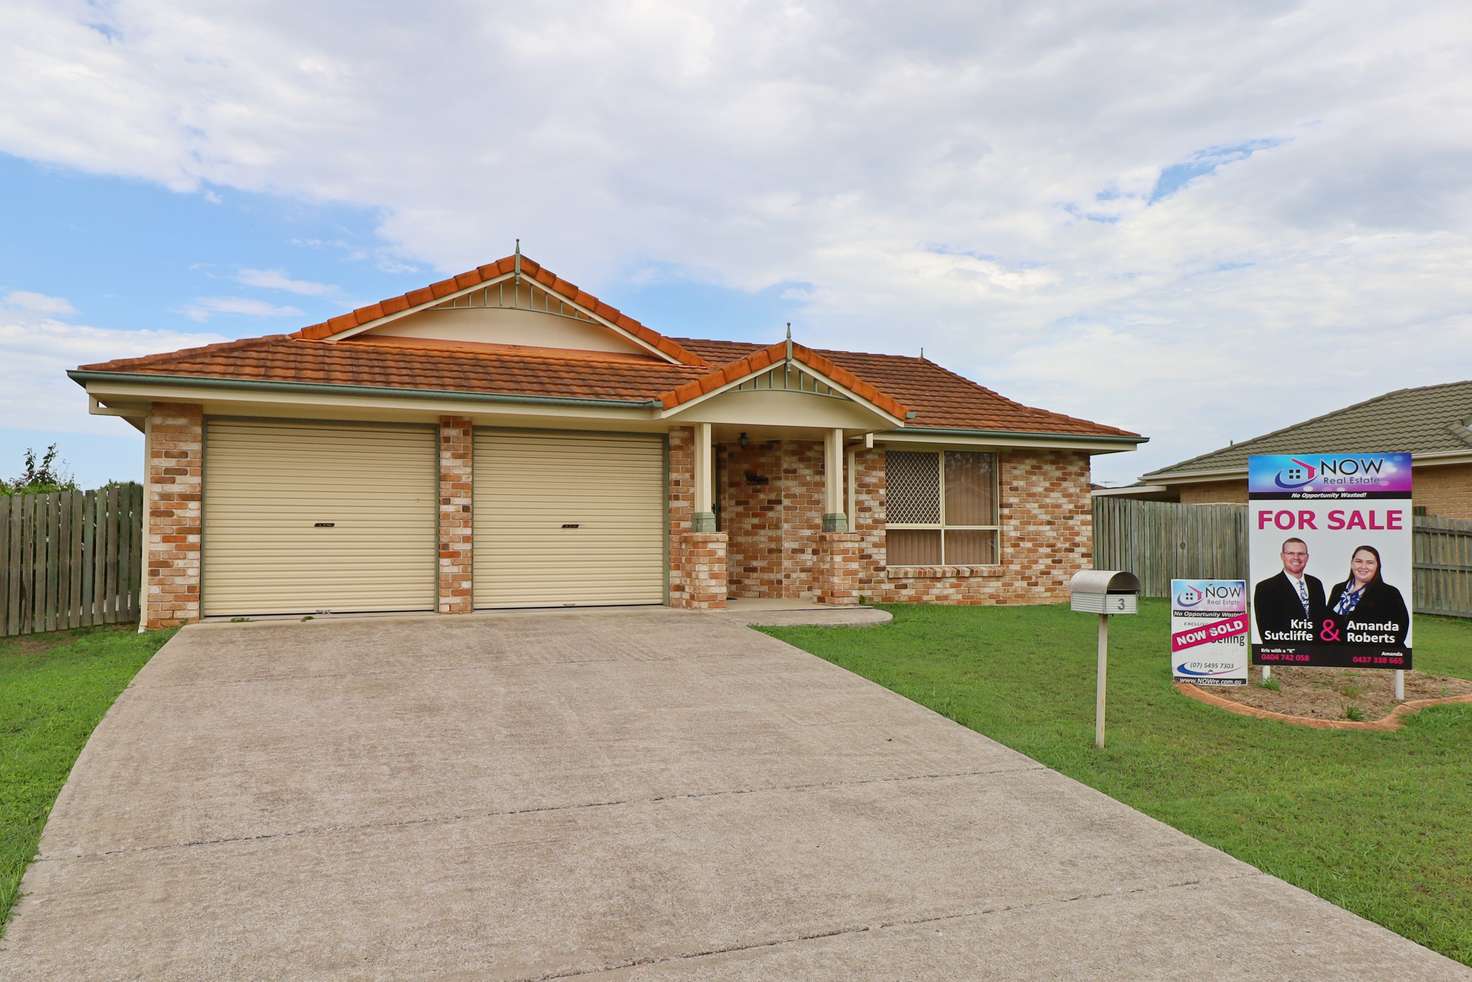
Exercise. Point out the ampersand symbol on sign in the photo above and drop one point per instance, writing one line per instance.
(1329, 632)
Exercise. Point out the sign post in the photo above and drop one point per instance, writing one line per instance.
(1103, 592)
(1101, 680)
(1329, 539)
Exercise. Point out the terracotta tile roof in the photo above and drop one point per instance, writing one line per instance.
(1426, 420)
(773, 354)
(532, 270)
(512, 372)
(940, 398)
(911, 389)
(900, 385)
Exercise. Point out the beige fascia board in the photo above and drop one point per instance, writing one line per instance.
(1001, 441)
(368, 405)
(1196, 477)
(783, 410)
(819, 376)
(1131, 489)
(134, 415)
(1442, 458)
(494, 281)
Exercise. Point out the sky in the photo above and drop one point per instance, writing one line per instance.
(1200, 222)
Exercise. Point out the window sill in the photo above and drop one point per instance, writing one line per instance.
(943, 572)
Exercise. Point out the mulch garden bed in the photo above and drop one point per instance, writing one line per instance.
(1345, 696)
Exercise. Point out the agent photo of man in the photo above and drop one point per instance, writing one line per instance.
(1289, 595)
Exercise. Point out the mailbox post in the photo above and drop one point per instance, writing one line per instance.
(1103, 592)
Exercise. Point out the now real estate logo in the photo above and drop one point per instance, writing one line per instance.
(1295, 475)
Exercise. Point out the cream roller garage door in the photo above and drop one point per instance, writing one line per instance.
(568, 519)
(312, 517)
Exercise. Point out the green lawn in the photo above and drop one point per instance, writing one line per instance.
(1378, 823)
(54, 688)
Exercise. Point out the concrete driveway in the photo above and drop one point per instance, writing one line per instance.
(621, 794)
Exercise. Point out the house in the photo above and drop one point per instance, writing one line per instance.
(1433, 423)
(504, 439)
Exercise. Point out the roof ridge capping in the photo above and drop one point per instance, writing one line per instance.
(776, 354)
(530, 268)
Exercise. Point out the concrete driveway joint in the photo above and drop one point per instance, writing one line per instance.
(631, 794)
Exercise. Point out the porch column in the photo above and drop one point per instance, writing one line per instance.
(834, 520)
(704, 518)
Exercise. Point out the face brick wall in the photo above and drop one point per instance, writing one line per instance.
(703, 556)
(802, 517)
(772, 528)
(1215, 493)
(455, 515)
(777, 549)
(174, 476)
(751, 517)
(840, 567)
(1445, 490)
(1047, 535)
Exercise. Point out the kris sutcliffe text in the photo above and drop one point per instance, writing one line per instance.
(1299, 630)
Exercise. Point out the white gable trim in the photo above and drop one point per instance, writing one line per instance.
(811, 373)
(494, 281)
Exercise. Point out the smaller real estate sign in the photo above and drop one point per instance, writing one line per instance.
(1329, 545)
(1208, 631)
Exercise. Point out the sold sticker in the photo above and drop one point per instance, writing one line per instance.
(1207, 633)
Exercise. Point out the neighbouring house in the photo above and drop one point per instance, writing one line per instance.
(1433, 423)
(504, 439)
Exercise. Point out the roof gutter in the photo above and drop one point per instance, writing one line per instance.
(1229, 474)
(1088, 437)
(83, 377)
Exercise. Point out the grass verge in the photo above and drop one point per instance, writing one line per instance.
(1378, 823)
(54, 688)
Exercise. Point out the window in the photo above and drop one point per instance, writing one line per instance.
(941, 508)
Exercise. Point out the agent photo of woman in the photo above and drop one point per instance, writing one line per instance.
(1365, 597)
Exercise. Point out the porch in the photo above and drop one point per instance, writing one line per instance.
(770, 518)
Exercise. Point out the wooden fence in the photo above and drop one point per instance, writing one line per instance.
(1443, 566)
(1161, 540)
(70, 559)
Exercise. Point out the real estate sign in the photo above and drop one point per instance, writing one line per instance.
(1329, 541)
(1208, 631)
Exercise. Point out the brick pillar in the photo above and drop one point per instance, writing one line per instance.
(839, 568)
(704, 559)
(681, 505)
(456, 502)
(175, 450)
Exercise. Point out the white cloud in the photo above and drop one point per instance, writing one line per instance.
(973, 178)
(36, 351)
(39, 303)
(203, 308)
(275, 279)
